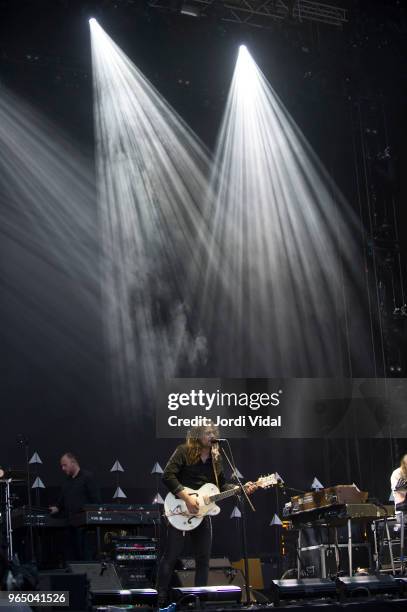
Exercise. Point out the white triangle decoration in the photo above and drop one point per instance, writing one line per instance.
(117, 467)
(276, 521)
(279, 478)
(316, 484)
(35, 458)
(119, 493)
(238, 474)
(158, 499)
(38, 484)
(157, 469)
(391, 498)
(236, 513)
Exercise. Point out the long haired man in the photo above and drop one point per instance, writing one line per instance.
(194, 463)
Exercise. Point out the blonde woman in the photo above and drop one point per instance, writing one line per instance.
(398, 481)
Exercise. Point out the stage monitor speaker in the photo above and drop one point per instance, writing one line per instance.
(76, 584)
(402, 580)
(109, 586)
(368, 586)
(188, 563)
(292, 589)
(126, 597)
(101, 576)
(207, 596)
(217, 577)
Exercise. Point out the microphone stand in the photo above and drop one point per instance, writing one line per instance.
(241, 496)
(23, 441)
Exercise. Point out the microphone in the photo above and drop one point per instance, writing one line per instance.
(216, 440)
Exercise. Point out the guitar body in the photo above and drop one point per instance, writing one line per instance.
(176, 509)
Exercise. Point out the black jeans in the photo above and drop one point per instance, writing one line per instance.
(201, 539)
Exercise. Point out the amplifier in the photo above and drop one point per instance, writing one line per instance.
(107, 583)
(188, 563)
(255, 572)
(135, 576)
(76, 584)
(104, 577)
(136, 560)
(134, 549)
(101, 576)
(321, 561)
(323, 534)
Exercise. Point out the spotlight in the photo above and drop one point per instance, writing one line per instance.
(92, 21)
(243, 52)
(247, 76)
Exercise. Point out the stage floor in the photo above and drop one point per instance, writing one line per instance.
(373, 604)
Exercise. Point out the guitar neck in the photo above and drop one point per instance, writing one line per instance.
(223, 495)
(263, 482)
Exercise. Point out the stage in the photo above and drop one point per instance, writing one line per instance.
(203, 301)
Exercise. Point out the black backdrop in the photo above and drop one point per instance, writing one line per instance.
(317, 71)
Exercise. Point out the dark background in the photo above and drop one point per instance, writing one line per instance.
(327, 78)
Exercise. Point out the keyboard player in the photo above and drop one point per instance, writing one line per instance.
(398, 481)
(78, 490)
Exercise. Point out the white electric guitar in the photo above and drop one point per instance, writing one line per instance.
(176, 509)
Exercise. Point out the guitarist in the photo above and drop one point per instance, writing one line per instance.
(193, 464)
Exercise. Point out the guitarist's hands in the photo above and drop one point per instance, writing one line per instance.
(191, 502)
(250, 487)
(192, 505)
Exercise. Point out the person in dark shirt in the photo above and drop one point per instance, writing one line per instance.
(193, 464)
(78, 490)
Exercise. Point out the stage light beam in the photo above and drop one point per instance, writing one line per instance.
(152, 181)
(293, 293)
(50, 274)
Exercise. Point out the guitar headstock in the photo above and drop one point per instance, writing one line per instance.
(264, 482)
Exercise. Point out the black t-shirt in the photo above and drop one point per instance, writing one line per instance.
(178, 474)
(77, 492)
